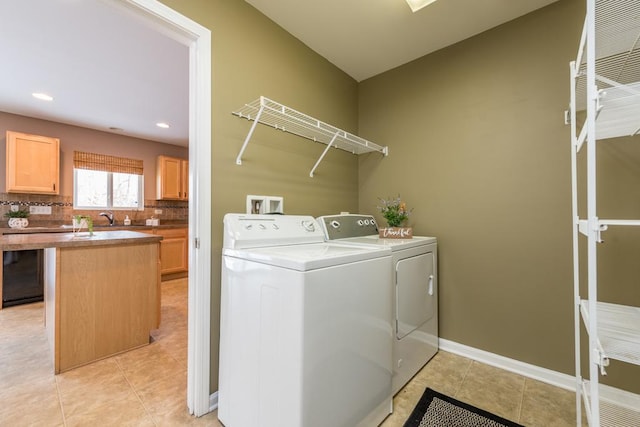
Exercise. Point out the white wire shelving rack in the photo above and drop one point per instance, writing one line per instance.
(271, 113)
(605, 81)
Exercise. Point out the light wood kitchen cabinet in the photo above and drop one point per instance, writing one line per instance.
(172, 181)
(33, 164)
(174, 249)
(100, 300)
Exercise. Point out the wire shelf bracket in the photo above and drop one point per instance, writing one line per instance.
(273, 114)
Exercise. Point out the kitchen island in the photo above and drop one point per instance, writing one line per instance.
(102, 292)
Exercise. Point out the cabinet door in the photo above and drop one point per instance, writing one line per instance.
(184, 179)
(169, 178)
(33, 164)
(174, 251)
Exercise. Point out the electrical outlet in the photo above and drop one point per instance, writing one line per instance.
(157, 211)
(40, 210)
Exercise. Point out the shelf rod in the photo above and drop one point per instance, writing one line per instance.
(246, 140)
(323, 154)
(581, 138)
(583, 41)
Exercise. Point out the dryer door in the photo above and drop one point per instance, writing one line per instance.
(415, 293)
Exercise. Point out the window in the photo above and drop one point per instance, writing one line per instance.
(107, 182)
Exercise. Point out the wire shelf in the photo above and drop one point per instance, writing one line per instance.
(613, 412)
(605, 81)
(273, 114)
(618, 330)
(617, 67)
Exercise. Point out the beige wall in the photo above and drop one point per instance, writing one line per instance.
(478, 148)
(251, 56)
(73, 138)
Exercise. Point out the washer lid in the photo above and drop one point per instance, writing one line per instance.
(307, 257)
(393, 244)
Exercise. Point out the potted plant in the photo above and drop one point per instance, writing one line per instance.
(396, 213)
(80, 222)
(18, 219)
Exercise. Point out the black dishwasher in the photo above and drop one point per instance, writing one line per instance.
(22, 277)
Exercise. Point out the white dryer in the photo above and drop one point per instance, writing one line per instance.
(415, 282)
(306, 327)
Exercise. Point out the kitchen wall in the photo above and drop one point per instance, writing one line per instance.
(73, 138)
(479, 150)
(251, 56)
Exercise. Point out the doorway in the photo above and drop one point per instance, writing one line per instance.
(198, 40)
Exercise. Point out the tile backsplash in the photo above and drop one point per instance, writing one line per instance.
(62, 209)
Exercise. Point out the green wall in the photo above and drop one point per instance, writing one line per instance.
(252, 56)
(479, 149)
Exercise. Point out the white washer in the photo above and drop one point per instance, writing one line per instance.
(306, 327)
(415, 281)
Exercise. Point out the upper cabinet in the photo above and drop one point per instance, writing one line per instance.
(172, 179)
(33, 164)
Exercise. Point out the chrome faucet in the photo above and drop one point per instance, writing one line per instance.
(109, 216)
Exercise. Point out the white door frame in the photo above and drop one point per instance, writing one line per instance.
(198, 39)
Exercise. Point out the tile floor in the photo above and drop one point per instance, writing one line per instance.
(143, 387)
(511, 396)
(147, 386)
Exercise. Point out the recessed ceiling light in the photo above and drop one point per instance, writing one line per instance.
(162, 125)
(42, 96)
(416, 5)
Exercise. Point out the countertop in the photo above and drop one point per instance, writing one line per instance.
(41, 240)
(66, 228)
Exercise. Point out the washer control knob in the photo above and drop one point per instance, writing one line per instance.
(366, 222)
(360, 222)
(262, 227)
(308, 225)
(335, 224)
(249, 226)
(275, 226)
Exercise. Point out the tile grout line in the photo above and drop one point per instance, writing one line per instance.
(464, 377)
(133, 389)
(64, 417)
(524, 389)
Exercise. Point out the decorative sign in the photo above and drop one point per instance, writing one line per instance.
(396, 233)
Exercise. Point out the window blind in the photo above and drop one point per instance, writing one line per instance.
(105, 163)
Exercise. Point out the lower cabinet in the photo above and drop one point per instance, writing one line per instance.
(100, 301)
(174, 249)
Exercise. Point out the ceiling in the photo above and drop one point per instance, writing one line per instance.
(368, 37)
(108, 70)
(104, 67)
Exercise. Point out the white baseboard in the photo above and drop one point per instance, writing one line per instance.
(544, 375)
(213, 402)
(558, 379)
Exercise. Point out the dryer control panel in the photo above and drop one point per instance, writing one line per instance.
(347, 225)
